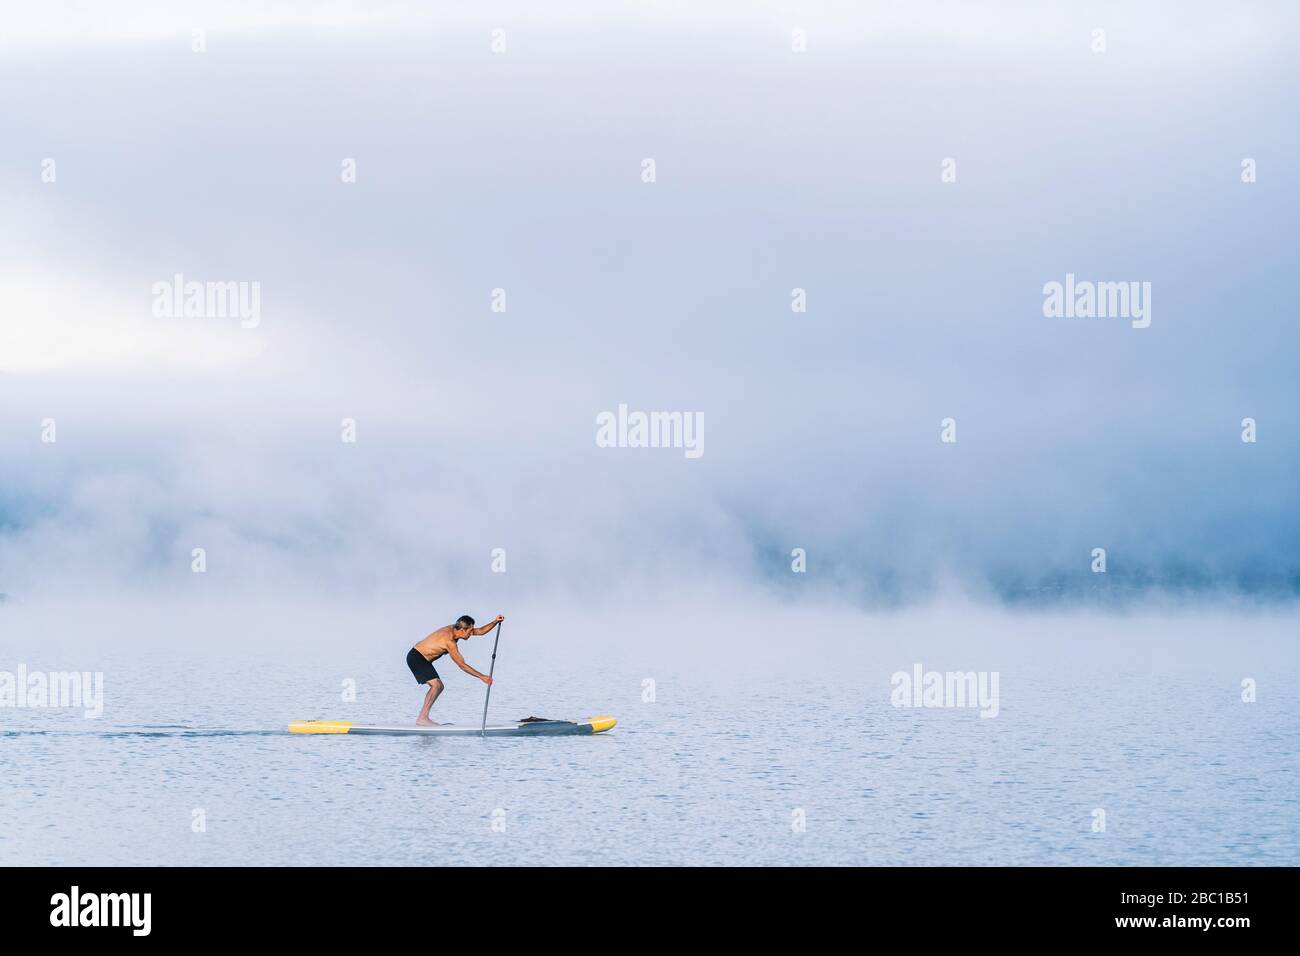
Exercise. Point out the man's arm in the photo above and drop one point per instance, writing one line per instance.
(480, 631)
(454, 651)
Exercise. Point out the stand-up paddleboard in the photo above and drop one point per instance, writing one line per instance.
(531, 727)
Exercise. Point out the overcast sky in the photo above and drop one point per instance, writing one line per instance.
(775, 170)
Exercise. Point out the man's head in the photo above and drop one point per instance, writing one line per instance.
(460, 630)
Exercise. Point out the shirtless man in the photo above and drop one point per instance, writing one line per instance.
(420, 658)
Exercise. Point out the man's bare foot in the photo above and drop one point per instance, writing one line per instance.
(424, 722)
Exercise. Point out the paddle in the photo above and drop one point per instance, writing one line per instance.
(491, 671)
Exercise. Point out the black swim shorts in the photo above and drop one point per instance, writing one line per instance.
(422, 669)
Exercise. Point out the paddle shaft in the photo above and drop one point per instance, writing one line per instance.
(491, 671)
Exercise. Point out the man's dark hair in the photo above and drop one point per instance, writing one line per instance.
(464, 622)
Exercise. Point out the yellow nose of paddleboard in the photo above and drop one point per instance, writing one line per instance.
(600, 724)
(319, 727)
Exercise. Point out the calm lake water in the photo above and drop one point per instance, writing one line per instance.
(716, 769)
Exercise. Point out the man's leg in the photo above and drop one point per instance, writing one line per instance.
(435, 688)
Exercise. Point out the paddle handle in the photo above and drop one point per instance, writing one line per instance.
(491, 671)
